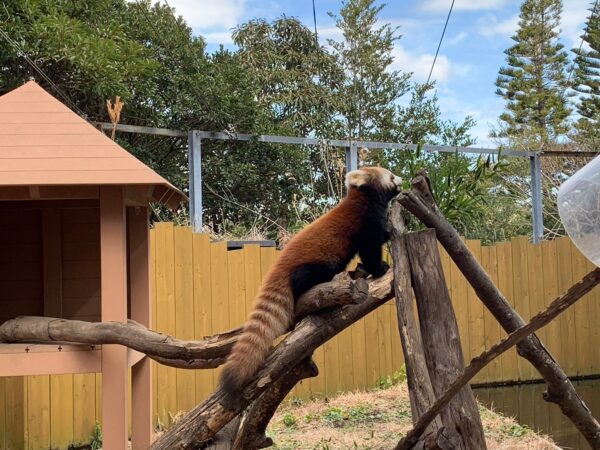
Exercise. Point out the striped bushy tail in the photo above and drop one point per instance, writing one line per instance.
(270, 318)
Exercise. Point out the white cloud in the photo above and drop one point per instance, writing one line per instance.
(456, 39)
(573, 20)
(462, 5)
(218, 38)
(420, 65)
(489, 26)
(575, 13)
(203, 14)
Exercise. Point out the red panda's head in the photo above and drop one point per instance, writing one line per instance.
(374, 180)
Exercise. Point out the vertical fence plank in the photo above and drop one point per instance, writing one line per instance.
(505, 284)
(202, 307)
(14, 410)
(237, 288)
(372, 362)
(166, 377)
(521, 296)
(252, 273)
(397, 356)
(359, 365)
(475, 309)
(581, 311)
(184, 311)
(219, 291)
(568, 334)
(358, 351)
(493, 371)
(331, 366)
(84, 404)
(38, 411)
(61, 410)
(98, 392)
(550, 274)
(459, 294)
(535, 270)
(345, 360)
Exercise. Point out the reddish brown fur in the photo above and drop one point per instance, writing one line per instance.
(327, 240)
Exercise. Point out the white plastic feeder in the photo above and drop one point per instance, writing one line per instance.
(579, 209)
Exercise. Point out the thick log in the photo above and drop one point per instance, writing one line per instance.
(198, 426)
(252, 433)
(208, 353)
(419, 201)
(441, 341)
(559, 305)
(420, 389)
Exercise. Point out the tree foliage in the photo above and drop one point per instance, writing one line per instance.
(587, 83)
(534, 82)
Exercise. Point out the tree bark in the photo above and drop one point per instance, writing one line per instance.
(419, 201)
(420, 389)
(198, 426)
(251, 435)
(441, 341)
(575, 292)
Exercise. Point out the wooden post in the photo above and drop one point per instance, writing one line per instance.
(114, 308)
(441, 341)
(420, 389)
(139, 294)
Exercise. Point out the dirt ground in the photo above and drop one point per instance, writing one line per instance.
(377, 420)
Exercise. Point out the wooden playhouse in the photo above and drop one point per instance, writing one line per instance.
(74, 244)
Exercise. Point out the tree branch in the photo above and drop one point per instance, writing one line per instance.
(251, 435)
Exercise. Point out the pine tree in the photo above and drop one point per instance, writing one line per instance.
(534, 82)
(587, 74)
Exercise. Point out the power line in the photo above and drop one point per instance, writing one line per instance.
(315, 21)
(440, 43)
(34, 66)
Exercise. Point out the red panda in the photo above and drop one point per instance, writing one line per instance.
(315, 255)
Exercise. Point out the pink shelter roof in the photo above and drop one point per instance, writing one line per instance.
(44, 143)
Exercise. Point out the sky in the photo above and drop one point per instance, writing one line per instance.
(472, 51)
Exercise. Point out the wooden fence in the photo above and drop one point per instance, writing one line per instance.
(200, 288)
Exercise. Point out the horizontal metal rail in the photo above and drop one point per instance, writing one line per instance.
(213, 135)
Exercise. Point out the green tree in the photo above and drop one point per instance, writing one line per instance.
(297, 78)
(372, 88)
(534, 82)
(587, 83)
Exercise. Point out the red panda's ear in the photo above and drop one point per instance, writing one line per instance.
(357, 178)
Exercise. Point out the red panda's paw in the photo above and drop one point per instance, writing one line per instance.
(381, 270)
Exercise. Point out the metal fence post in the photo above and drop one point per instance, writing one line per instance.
(351, 157)
(195, 168)
(536, 198)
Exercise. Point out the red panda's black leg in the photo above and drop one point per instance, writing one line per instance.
(307, 276)
(371, 258)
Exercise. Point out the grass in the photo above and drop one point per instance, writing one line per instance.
(377, 420)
